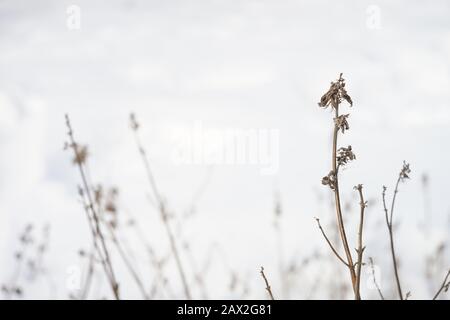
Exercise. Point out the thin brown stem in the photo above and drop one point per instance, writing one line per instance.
(375, 279)
(360, 249)
(89, 276)
(340, 220)
(96, 230)
(330, 244)
(444, 286)
(268, 288)
(389, 224)
(161, 207)
(127, 262)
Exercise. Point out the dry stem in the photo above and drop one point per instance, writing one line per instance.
(375, 279)
(444, 287)
(93, 217)
(340, 220)
(360, 249)
(161, 206)
(268, 288)
(391, 234)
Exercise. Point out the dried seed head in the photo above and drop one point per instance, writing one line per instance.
(342, 123)
(335, 95)
(81, 153)
(98, 194)
(133, 122)
(330, 180)
(344, 155)
(404, 173)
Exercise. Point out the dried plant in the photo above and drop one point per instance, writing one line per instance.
(389, 215)
(29, 262)
(375, 279)
(107, 208)
(93, 217)
(444, 286)
(335, 95)
(268, 288)
(161, 204)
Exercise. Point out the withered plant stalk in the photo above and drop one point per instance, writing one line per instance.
(375, 279)
(80, 154)
(161, 205)
(360, 249)
(444, 286)
(268, 288)
(127, 262)
(340, 157)
(404, 174)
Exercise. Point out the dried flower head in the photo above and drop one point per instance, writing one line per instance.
(342, 123)
(344, 155)
(98, 194)
(330, 180)
(335, 95)
(81, 153)
(404, 173)
(133, 122)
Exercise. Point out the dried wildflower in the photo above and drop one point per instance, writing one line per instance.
(404, 173)
(133, 122)
(344, 155)
(335, 95)
(342, 123)
(81, 153)
(110, 203)
(330, 180)
(98, 194)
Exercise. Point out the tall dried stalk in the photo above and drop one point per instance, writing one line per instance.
(127, 262)
(340, 157)
(404, 174)
(444, 286)
(375, 279)
(161, 206)
(360, 249)
(268, 288)
(89, 276)
(80, 155)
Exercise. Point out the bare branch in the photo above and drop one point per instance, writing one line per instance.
(375, 279)
(404, 174)
(93, 217)
(161, 205)
(360, 250)
(268, 288)
(444, 286)
(330, 244)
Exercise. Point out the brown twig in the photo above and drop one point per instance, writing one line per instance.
(334, 96)
(444, 286)
(375, 279)
(89, 276)
(330, 244)
(93, 218)
(127, 262)
(389, 222)
(161, 205)
(340, 219)
(268, 288)
(360, 250)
